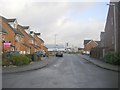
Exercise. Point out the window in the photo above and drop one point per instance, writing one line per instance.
(17, 39)
(31, 41)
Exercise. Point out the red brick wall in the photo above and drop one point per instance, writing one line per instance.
(89, 46)
(11, 35)
(26, 40)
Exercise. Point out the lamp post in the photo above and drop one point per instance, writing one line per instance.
(115, 43)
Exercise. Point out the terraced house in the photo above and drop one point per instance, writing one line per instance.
(88, 45)
(3, 32)
(38, 42)
(16, 37)
(25, 31)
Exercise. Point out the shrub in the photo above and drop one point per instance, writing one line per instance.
(5, 62)
(20, 60)
(30, 56)
(112, 58)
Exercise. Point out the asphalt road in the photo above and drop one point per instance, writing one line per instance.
(69, 71)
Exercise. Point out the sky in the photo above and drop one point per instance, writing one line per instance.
(71, 21)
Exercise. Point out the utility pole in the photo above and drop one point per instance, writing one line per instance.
(55, 43)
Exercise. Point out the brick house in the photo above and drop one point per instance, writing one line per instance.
(30, 41)
(27, 38)
(3, 32)
(38, 41)
(42, 44)
(110, 33)
(10, 37)
(88, 45)
(107, 38)
(14, 37)
(45, 48)
(33, 42)
(19, 37)
(97, 52)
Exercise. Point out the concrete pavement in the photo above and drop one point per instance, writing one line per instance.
(100, 63)
(32, 66)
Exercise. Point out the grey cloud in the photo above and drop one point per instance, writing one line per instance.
(50, 18)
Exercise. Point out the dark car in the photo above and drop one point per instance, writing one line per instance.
(59, 54)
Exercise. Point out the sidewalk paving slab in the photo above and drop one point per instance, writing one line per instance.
(101, 63)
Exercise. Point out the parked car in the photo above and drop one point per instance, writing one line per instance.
(43, 54)
(59, 54)
(40, 53)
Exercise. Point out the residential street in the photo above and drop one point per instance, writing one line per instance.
(69, 71)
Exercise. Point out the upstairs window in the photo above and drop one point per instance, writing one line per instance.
(17, 38)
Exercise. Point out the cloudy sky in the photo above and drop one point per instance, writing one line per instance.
(71, 21)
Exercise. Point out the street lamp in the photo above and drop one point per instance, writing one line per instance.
(115, 45)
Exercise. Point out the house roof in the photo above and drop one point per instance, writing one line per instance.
(89, 41)
(45, 47)
(102, 32)
(80, 48)
(15, 31)
(41, 40)
(26, 32)
(86, 41)
(98, 42)
(11, 20)
(25, 27)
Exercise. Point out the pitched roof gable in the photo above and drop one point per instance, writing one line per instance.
(14, 30)
(11, 20)
(86, 41)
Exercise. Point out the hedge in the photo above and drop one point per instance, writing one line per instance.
(112, 58)
(20, 60)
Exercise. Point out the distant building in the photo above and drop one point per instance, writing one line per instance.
(88, 45)
(52, 47)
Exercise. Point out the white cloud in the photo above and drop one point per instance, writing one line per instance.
(50, 18)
